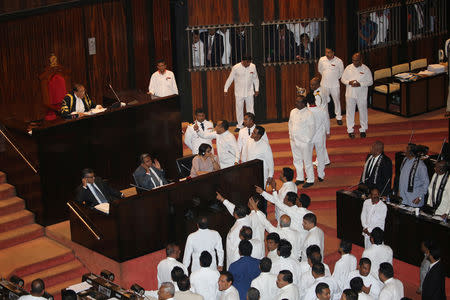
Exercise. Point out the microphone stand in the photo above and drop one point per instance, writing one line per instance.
(117, 103)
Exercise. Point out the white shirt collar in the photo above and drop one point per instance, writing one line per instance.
(431, 265)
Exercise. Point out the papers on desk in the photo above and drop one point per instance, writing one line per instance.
(425, 73)
(405, 76)
(436, 68)
(80, 287)
(103, 207)
(97, 109)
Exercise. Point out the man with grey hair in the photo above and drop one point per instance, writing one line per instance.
(166, 291)
(149, 174)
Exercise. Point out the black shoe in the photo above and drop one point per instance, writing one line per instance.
(351, 135)
(298, 182)
(362, 135)
(237, 129)
(320, 179)
(339, 122)
(307, 185)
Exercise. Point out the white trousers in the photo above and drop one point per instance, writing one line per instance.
(350, 113)
(240, 108)
(302, 154)
(321, 154)
(335, 93)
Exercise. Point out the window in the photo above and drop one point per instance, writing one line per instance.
(379, 27)
(293, 41)
(218, 46)
(426, 18)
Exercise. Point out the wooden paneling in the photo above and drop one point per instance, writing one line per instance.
(244, 13)
(271, 94)
(10, 6)
(207, 12)
(106, 22)
(219, 105)
(341, 47)
(294, 9)
(142, 65)
(161, 29)
(364, 4)
(269, 10)
(292, 75)
(197, 94)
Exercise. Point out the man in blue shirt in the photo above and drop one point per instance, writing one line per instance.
(414, 180)
(245, 269)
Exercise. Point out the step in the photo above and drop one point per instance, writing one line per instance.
(33, 256)
(20, 235)
(6, 191)
(11, 205)
(53, 276)
(2, 177)
(15, 220)
(55, 290)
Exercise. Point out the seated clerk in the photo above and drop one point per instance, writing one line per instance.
(76, 101)
(149, 174)
(93, 190)
(204, 162)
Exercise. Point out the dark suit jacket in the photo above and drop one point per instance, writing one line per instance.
(239, 44)
(313, 51)
(384, 174)
(433, 287)
(217, 49)
(144, 180)
(244, 270)
(273, 47)
(85, 196)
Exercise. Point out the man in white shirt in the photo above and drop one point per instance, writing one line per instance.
(321, 133)
(37, 291)
(316, 91)
(272, 241)
(166, 265)
(309, 28)
(285, 261)
(381, 18)
(278, 198)
(378, 253)
(162, 83)
(323, 291)
(307, 279)
(227, 149)
(191, 138)
(373, 215)
(345, 265)
(287, 289)
(226, 288)
(258, 250)
(265, 283)
(203, 239)
(198, 50)
(246, 84)
(184, 293)
(246, 132)
(258, 148)
(226, 57)
(393, 288)
(301, 131)
(357, 285)
(357, 78)
(205, 280)
(166, 291)
(233, 239)
(315, 235)
(439, 190)
(318, 272)
(372, 285)
(331, 69)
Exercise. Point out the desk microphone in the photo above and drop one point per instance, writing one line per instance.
(186, 168)
(385, 185)
(233, 155)
(139, 187)
(118, 102)
(347, 189)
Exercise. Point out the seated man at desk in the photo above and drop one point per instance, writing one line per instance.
(93, 190)
(414, 180)
(204, 162)
(377, 172)
(76, 102)
(149, 174)
(439, 190)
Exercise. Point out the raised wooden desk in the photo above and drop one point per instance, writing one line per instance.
(109, 142)
(147, 222)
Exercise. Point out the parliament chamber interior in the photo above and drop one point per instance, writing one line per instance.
(232, 149)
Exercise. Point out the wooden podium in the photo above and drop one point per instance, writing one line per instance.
(109, 142)
(145, 223)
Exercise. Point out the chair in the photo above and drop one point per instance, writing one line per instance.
(397, 69)
(184, 165)
(55, 82)
(419, 64)
(383, 88)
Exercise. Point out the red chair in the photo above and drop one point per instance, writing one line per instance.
(55, 82)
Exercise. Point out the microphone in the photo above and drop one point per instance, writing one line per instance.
(186, 168)
(118, 102)
(139, 187)
(410, 137)
(385, 185)
(442, 148)
(349, 188)
(233, 155)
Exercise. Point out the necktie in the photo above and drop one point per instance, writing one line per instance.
(203, 126)
(433, 193)
(99, 194)
(158, 181)
(369, 167)
(249, 132)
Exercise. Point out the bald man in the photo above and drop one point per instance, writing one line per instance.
(439, 190)
(37, 291)
(357, 79)
(377, 172)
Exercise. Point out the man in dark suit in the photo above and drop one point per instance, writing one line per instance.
(214, 47)
(377, 172)
(240, 44)
(308, 49)
(433, 287)
(93, 190)
(281, 45)
(149, 174)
